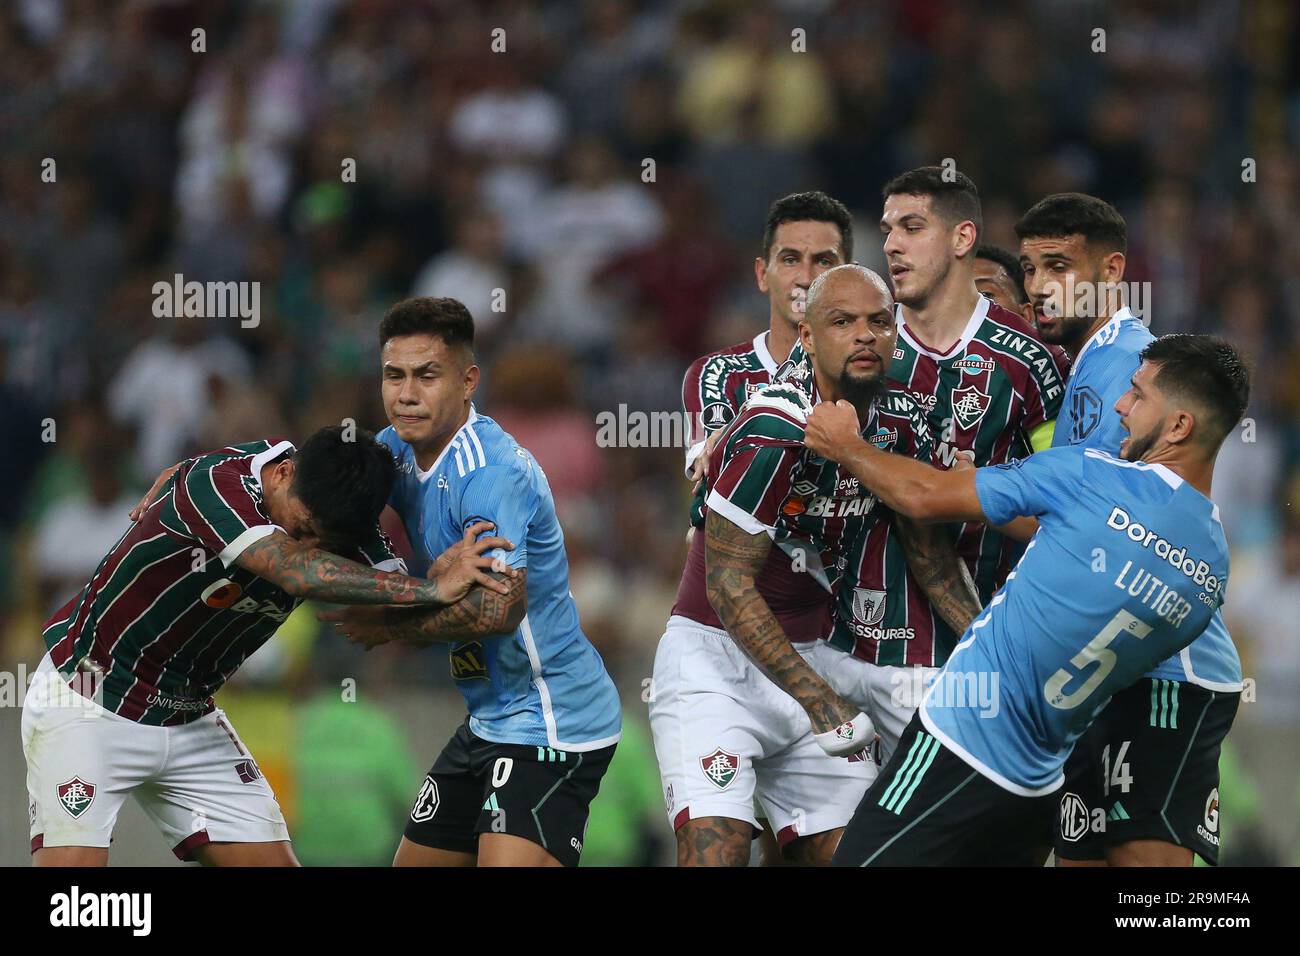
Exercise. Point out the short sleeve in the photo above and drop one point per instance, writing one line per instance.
(506, 497)
(1041, 484)
(220, 503)
(759, 459)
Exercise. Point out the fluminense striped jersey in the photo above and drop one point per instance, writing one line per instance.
(826, 526)
(987, 394)
(167, 616)
(715, 387)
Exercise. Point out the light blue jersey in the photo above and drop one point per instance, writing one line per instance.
(544, 685)
(1128, 566)
(1098, 378)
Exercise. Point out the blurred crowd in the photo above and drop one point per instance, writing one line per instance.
(591, 179)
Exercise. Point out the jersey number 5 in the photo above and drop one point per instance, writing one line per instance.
(1096, 651)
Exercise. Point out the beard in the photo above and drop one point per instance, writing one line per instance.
(1064, 331)
(860, 392)
(1138, 446)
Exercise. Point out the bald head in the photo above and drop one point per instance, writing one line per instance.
(848, 280)
(848, 331)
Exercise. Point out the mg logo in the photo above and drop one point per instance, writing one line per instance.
(1074, 817)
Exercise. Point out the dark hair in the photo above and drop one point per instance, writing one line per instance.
(446, 319)
(1209, 372)
(955, 199)
(343, 483)
(1009, 262)
(1068, 214)
(813, 206)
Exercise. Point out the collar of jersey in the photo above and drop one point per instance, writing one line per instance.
(262, 457)
(423, 476)
(977, 317)
(1123, 315)
(764, 354)
(1165, 473)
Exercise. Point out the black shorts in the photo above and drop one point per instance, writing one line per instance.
(1147, 769)
(476, 786)
(928, 807)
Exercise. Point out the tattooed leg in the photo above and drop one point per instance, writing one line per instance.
(714, 841)
(816, 849)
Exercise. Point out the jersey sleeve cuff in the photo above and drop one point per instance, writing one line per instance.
(232, 551)
(738, 516)
(991, 502)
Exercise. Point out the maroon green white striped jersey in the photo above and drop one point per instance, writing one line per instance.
(168, 616)
(715, 387)
(823, 522)
(989, 394)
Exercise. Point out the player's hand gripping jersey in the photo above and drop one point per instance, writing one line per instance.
(544, 685)
(1128, 566)
(168, 616)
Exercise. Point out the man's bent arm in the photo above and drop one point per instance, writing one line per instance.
(310, 573)
(942, 574)
(480, 613)
(913, 488)
(733, 558)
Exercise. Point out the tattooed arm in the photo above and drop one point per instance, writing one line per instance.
(733, 559)
(943, 575)
(480, 613)
(307, 572)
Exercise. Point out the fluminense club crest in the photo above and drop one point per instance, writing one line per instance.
(969, 405)
(76, 796)
(720, 768)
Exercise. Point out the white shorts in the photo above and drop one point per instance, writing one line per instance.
(727, 738)
(888, 694)
(196, 781)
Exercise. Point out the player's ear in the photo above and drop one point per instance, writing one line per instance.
(964, 238)
(284, 472)
(760, 274)
(1112, 267)
(1181, 426)
(805, 338)
(471, 381)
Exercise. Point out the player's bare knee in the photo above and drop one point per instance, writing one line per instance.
(816, 849)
